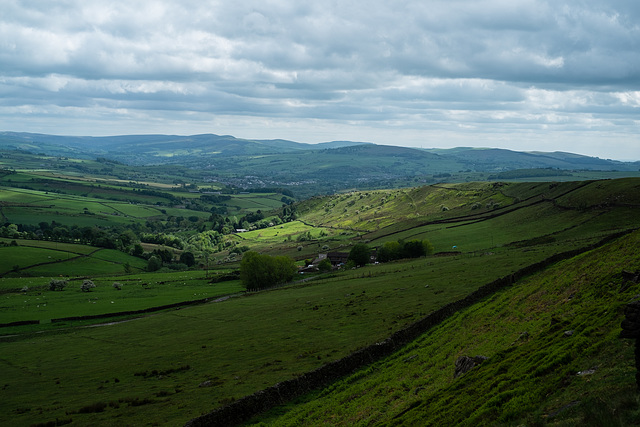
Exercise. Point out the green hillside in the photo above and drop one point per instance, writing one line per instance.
(554, 357)
(307, 169)
(177, 364)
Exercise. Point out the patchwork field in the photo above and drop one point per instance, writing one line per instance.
(170, 364)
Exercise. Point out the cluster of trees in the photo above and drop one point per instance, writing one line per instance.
(401, 249)
(110, 238)
(259, 271)
(360, 254)
(164, 257)
(162, 239)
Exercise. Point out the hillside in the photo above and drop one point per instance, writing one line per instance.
(554, 357)
(182, 363)
(312, 169)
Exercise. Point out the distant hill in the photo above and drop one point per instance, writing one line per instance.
(496, 159)
(313, 168)
(140, 149)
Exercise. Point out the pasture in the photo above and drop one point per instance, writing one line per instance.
(42, 258)
(29, 298)
(177, 364)
(240, 345)
(536, 373)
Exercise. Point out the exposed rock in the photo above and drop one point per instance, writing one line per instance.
(628, 279)
(205, 384)
(631, 323)
(587, 372)
(465, 363)
(568, 333)
(631, 329)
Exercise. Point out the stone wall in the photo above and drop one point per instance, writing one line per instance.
(247, 407)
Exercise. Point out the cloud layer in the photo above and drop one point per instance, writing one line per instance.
(531, 74)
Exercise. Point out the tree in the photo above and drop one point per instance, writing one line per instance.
(137, 250)
(360, 254)
(57, 285)
(127, 238)
(389, 251)
(258, 271)
(154, 263)
(164, 254)
(324, 265)
(188, 258)
(413, 249)
(401, 249)
(127, 267)
(87, 285)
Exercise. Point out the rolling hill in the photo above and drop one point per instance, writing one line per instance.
(356, 160)
(180, 364)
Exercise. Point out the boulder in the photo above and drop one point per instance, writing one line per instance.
(631, 323)
(465, 363)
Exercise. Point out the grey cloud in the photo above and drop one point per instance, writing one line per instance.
(438, 64)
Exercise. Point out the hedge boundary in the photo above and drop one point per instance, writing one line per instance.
(117, 314)
(254, 404)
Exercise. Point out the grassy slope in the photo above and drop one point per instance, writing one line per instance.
(242, 345)
(246, 344)
(40, 258)
(139, 291)
(531, 375)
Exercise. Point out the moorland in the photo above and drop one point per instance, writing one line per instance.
(170, 333)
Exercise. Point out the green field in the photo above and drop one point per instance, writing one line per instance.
(38, 258)
(168, 367)
(536, 373)
(241, 345)
(138, 292)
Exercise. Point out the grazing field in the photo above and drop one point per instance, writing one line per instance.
(176, 364)
(41, 258)
(30, 298)
(240, 345)
(553, 358)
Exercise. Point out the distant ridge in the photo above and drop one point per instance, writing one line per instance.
(359, 160)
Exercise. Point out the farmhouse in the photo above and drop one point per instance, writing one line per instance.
(338, 258)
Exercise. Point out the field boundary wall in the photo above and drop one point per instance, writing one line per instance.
(249, 406)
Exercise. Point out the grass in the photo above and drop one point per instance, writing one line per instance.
(41, 258)
(243, 344)
(531, 376)
(236, 347)
(138, 292)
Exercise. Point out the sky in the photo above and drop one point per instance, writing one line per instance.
(527, 75)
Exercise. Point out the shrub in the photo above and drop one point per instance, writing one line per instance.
(87, 285)
(324, 265)
(57, 285)
(154, 264)
(258, 271)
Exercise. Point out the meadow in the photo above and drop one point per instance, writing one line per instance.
(176, 364)
(554, 358)
(240, 345)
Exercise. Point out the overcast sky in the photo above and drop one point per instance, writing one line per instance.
(542, 75)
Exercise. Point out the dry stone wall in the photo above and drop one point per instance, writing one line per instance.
(247, 407)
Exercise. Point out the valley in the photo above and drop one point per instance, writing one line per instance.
(166, 337)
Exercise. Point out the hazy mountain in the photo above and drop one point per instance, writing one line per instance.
(341, 157)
